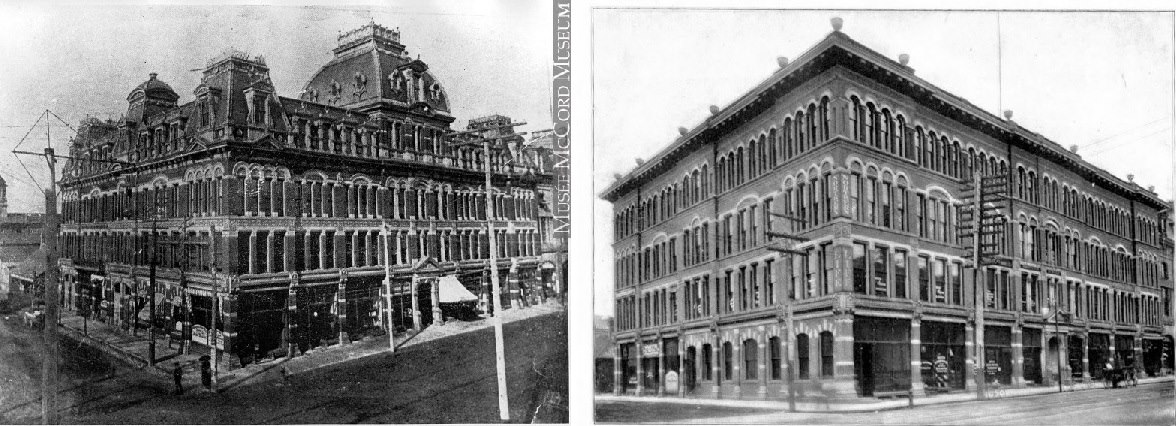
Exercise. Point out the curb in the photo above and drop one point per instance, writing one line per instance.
(870, 406)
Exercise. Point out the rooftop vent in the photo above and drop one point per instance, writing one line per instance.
(904, 59)
(640, 161)
(782, 61)
(1131, 178)
(1074, 148)
(1008, 114)
(682, 131)
(714, 109)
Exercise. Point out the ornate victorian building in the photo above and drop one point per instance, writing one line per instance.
(287, 210)
(868, 162)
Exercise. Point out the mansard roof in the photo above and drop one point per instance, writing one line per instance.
(838, 49)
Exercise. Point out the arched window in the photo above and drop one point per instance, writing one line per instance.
(824, 111)
(739, 166)
(800, 136)
(885, 128)
(772, 151)
(750, 359)
(920, 138)
(929, 156)
(812, 123)
(705, 183)
(904, 144)
(787, 138)
(752, 160)
(802, 357)
(855, 119)
(826, 354)
(871, 125)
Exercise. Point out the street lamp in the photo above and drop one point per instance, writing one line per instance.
(1055, 314)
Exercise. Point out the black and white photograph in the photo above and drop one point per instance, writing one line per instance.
(297, 214)
(882, 216)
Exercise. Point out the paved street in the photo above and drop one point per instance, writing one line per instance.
(1147, 404)
(446, 379)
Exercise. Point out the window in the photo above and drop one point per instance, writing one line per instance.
(900, 207)
(871, 210)
(855, 183)
(774, 354)
(900, 275)
(750, 359)
(728, 361)
(924, 279)
(887, 201)
(802, 357)
(826, 354)
(881, 286)
(957, 284)
(940, 281)
(706, 362)
(921, 214)
(859, 268)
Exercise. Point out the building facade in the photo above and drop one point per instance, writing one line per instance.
(868, 163)
(291, 212)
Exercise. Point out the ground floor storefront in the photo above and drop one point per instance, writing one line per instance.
(867, 354)
(277, 315)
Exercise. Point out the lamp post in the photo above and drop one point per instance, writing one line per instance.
(1057, 335)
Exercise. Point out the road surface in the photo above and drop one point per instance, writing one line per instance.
(450, 379)
(1147, 404)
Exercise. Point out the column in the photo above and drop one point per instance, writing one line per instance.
(252, 252)
(355, 250)
(290, 336)
(438, 317)
(970, 363)
(843, 374)
(416, 308)
(322, 249)
(639, 347)
(228, 311)
(737, 368)
(661, 366)
(764, 358)
(288, 254)
(1085, 356)
(269, 251)
(1018, 357)
(618, 383)
(341, 308)
(682, 366)
(917, 387)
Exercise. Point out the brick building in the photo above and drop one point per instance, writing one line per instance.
(285, 209)
(878, 297)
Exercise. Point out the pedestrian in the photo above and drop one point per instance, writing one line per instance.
(285, 376)
(178, 375)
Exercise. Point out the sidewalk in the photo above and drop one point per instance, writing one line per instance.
(809, 406)
(133, 349)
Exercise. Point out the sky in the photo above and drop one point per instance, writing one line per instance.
(1099, 80)
(492, 57)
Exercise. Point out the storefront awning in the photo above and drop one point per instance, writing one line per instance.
(452, 291)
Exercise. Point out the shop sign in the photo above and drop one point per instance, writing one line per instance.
(941, 365)
(671, 382)
(991, 367)
(200, 335)
(650, 349)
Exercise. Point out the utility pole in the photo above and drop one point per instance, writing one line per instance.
(215, 311)
(786, 251)
(49, 364)
(50, 278)
(983, 224)
(495, 287)
(384, 233)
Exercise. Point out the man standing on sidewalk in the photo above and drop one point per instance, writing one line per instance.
(178, 375)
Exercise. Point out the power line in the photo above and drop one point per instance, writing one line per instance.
(1138, 139)
(1116, 135)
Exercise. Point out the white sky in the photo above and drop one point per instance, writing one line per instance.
(1101, 80)
(491, 57)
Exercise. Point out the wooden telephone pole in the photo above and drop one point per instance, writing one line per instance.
(786, 251)
(495, 286)
(982, 223)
